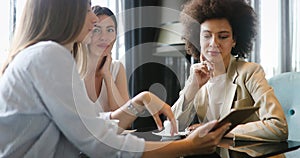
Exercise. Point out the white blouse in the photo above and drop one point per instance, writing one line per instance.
(216, 96)
(45, 111)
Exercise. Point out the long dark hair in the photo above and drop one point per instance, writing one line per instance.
(98, 10)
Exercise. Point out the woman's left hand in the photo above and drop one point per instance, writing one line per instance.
(105, 62)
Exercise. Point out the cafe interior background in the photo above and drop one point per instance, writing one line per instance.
(149, 41)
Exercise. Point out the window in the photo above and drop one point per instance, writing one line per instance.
(9, 19)
(4, 31)
(295, 35)
(9, 16)
(278, 51)
(279, 36)
(269, 32)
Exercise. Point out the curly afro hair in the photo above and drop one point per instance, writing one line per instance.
(240, 15)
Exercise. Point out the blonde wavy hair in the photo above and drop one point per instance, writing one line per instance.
(60, 21)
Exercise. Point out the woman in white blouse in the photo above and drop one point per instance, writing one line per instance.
(105, 79)
(44, 110)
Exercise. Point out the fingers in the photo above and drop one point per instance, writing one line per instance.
(193, 127)
(204, 130)
(221, 131)
(205, 140)
(174, 126)
(106, 54)
(105, 60)
(166, 110)
(202, 58)
(208, 64)
(107, 50)
(203, 67)
(156, 106)
(157, 121)
(102, 62)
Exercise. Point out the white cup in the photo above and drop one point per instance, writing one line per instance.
(168, 127)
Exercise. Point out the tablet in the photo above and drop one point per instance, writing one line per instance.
(235, 117)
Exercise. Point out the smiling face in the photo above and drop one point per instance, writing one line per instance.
(103, 34)
(216, 39)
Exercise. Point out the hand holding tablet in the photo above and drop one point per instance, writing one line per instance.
(235, 117)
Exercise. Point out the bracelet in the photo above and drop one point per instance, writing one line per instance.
(134, 110)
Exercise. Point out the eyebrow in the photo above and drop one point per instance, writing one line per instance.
(217, 32)
(111, 26)
(97, 26)
(106, 26)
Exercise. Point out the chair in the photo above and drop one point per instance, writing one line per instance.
(287, 89)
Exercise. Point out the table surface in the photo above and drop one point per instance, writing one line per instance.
(237, 149)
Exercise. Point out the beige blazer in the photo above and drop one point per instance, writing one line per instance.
(246, 86)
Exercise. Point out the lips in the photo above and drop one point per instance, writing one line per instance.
(213, 53)
(102, 45)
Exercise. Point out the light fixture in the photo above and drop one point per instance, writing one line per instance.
(170, 43)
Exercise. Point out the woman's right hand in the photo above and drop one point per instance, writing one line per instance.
(105, 61)
(201, 73)
(198, 77)
(202, 141)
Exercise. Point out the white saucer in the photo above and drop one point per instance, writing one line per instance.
(164, 134)
(167, 136)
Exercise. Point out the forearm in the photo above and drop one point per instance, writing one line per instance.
(190, 93)
(167, 149)
(269, 124)
(190, 89)
(124, 115)
(198, 142)
(268, 130)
